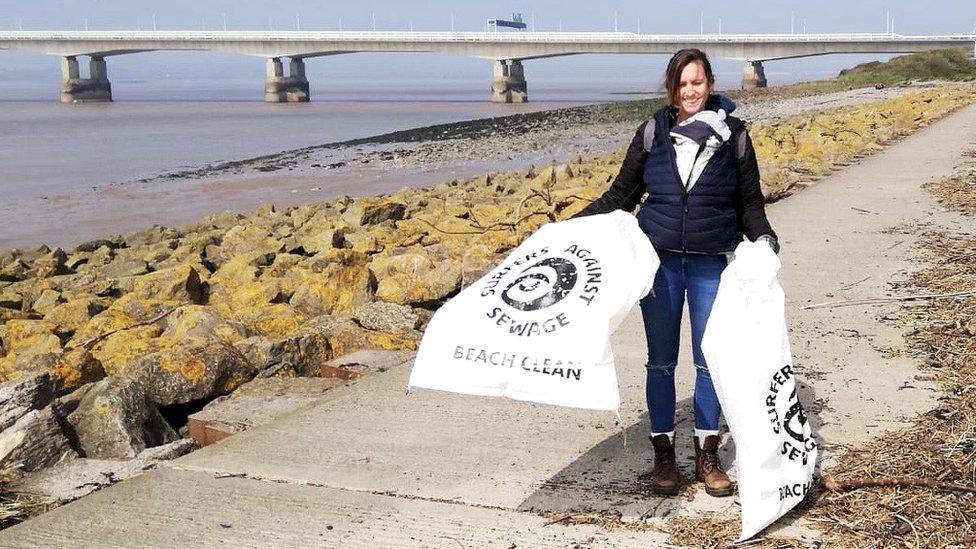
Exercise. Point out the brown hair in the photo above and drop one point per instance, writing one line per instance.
(678, 62)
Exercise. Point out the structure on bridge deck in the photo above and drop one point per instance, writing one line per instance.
(507, 51)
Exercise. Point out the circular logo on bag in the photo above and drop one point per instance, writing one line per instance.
(521, 293)
(797, 445)
(541, 285)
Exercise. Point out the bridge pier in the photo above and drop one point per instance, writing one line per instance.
(754, 76)
(508, 82)
(94, 89)
(279, 88)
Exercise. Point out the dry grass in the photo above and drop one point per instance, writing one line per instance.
(16, 508)
(942, 444)
(957, 193)
(607, 521)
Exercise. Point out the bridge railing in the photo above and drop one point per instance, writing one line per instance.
(497, 37)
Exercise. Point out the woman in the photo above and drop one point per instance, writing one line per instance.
(698, 169)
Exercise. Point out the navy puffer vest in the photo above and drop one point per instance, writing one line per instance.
(704, 220)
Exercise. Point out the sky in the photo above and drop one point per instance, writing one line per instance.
(652, 16)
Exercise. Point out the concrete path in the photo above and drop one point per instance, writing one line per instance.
(373, 467)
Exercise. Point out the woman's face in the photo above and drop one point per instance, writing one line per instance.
(693, 89)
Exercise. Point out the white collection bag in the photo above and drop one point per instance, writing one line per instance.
(537, 327)
(747, 349)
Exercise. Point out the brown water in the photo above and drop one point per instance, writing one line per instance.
(70, 172)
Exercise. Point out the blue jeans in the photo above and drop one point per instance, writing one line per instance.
(698, 277)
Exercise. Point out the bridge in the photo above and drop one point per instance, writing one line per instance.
(507, 51)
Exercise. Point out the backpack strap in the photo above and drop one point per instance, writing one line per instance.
(649, 134)
(738, 139)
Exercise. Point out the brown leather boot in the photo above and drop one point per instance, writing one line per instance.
(664, 476)
(708, 468)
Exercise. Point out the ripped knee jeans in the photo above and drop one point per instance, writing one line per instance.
(680, 276)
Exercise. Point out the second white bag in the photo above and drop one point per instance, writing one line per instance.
(747, 348)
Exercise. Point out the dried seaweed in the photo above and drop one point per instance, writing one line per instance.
(941, 445)
(957, 193)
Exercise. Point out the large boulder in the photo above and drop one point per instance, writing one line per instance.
(315, 239)
(69, 317)
(300, 353)
(246, 241)
(17, 269)
(276, 320)
(149, 235)
(386, 317)
(92, 245)
(180, 283)
(362, 241)
(336, 289)
(25, 339)
(157, 253)
(22, 395)
(68, 368)
(22, 334)
(119, 350)
(49, 299)
(51, 264)
(116, 419)
(373, 211)
(203, 323)
(34, 441)
(236, 269)
(476, 261)
(414, 278)
(243, 300)
(125, 266)
(182, 371)
(347, 336)
(281, 265)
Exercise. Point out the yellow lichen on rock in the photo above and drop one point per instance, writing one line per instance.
(119, 351)
(346, 336)
(806, 147)
(336, 289)
(276, 320)
(73, 368)
(180, 283)
(102, 406)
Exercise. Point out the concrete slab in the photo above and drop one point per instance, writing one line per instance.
(257, 402)
(167, 508)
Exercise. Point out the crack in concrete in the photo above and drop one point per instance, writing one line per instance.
(387, 493)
